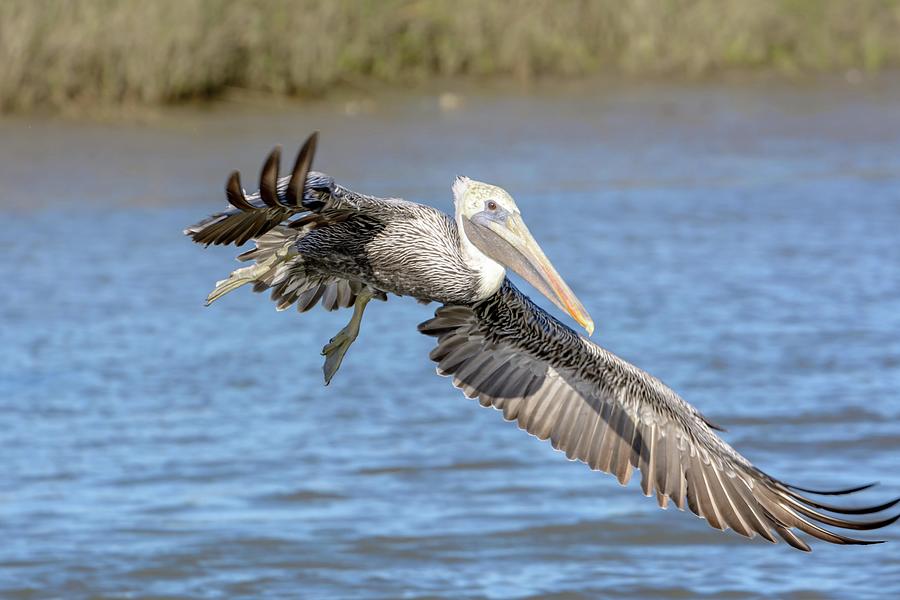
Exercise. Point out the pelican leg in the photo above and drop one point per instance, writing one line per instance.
(337, 347)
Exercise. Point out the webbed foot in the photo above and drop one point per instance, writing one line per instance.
(335, 350)
(337, 347)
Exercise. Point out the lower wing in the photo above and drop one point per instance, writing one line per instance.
(513, 356)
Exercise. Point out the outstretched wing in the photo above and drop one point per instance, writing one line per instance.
(277, 201)
(275, 217)
(302, 199)
(511, 355)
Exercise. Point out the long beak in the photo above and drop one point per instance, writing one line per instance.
(521, 253)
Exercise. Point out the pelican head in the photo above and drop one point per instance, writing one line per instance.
(491, 222)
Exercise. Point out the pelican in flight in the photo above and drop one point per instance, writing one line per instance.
(319, 242)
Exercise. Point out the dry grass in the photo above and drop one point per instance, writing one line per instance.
(60, 53)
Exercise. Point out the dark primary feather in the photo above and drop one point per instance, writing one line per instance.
(277, 200)
(294, 193)
(268, 179)
(599, 409)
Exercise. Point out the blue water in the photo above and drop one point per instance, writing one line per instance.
(740, 242)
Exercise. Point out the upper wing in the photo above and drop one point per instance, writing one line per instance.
(276, 201)
(314, 198)
(597, 408)
(282, 211)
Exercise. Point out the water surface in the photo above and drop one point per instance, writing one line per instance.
(740, 242)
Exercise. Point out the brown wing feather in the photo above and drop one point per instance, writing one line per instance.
(277, 201)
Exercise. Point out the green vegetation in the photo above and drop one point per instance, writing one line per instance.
(59, 53)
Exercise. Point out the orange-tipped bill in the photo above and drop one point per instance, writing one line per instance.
(513, 246)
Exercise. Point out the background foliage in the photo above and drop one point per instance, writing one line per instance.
(60, 53)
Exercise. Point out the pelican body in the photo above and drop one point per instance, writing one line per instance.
(318, 242)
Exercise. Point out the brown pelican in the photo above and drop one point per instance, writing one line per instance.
(317, 241)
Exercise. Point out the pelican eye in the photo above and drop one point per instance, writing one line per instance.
(491, 205)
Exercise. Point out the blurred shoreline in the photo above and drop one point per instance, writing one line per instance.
(454, 94)
(96, 56)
